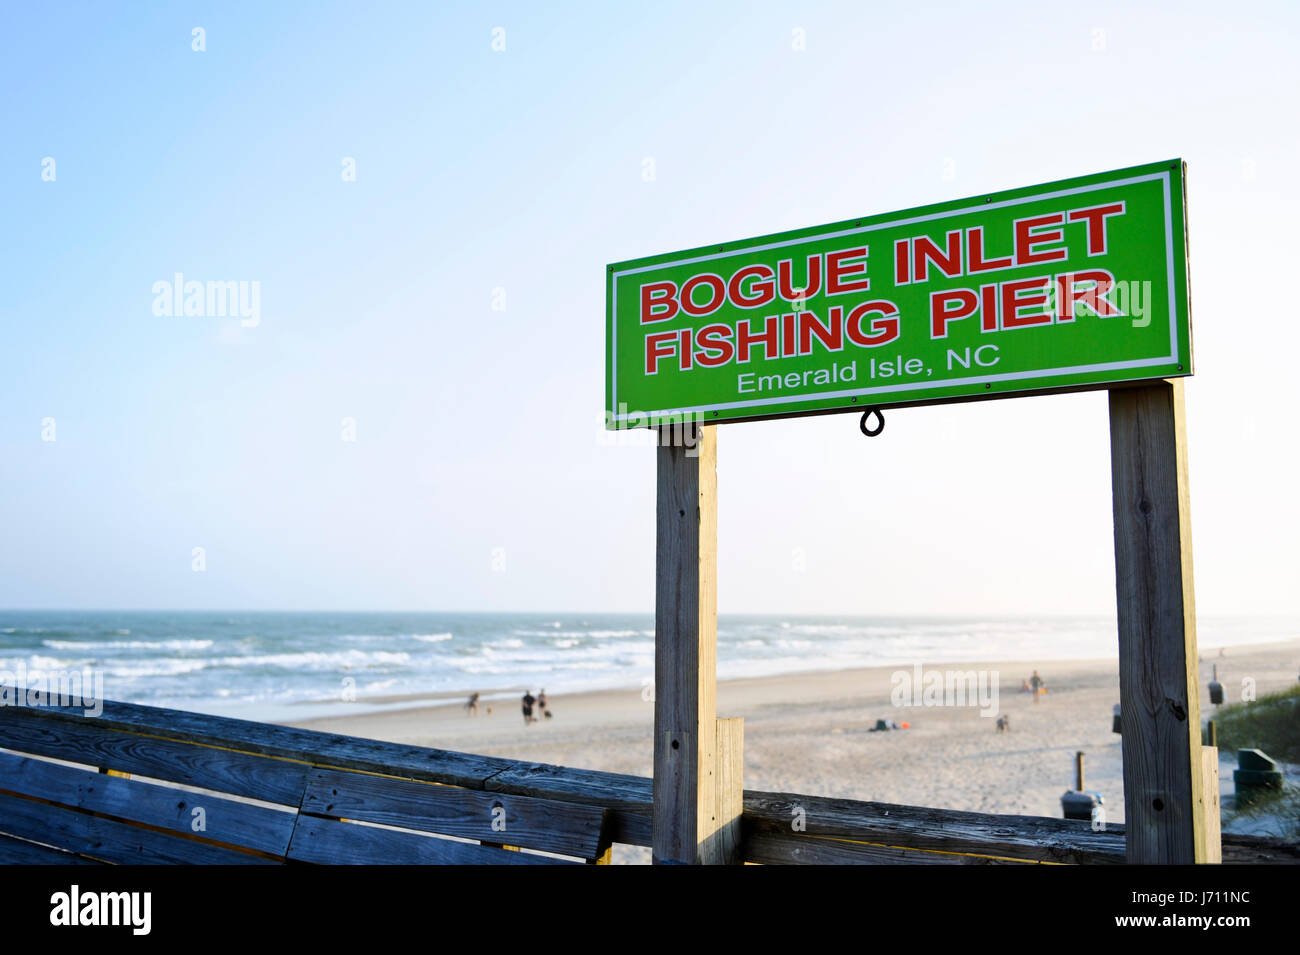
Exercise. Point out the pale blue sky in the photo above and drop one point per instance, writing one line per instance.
(522, 169)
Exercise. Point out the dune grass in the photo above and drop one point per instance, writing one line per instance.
(1270, 723)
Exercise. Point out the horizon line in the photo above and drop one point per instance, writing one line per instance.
(650, 612)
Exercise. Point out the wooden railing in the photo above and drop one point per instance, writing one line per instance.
(272, 793)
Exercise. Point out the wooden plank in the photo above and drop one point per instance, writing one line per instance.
(223, 820)
(1258, 850)
(109, 840)
(330, 842)
(1213, 813)
(549, 825)
(768, 848)
(18, 852)
(266, 739)
(1026, 838)
(89, 742)
(631, 828)
(125, 736)
(628, 798)
(774, 848)
(1159, 701)
(729, 792)
(685, 740)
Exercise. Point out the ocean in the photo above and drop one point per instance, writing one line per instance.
(283, 666)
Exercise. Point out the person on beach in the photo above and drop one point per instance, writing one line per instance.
(1036, 683)
(471, 708)
(541, 703)
(529, 700)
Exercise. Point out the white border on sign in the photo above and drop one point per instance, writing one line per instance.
(1171, 358)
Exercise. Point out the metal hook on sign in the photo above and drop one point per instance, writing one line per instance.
(872, 432)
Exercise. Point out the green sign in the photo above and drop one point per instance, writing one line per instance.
(1066, 286)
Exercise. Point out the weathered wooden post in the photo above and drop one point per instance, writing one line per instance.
(697, 757)
(1165, 797)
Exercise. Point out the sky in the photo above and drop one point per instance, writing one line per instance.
(427, 196)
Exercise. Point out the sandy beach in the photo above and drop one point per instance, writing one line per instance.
(810, 732)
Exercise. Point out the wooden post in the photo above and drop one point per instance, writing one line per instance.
(729, 792)
(1164, 798)
(1210, 786)
(689, 794)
